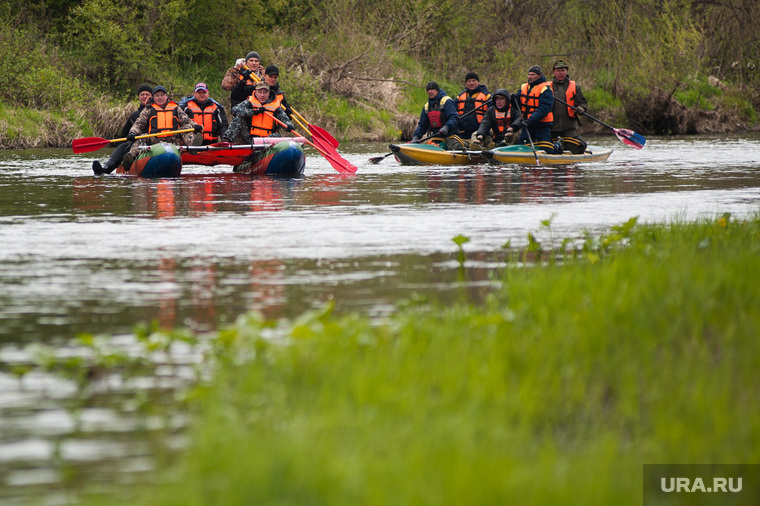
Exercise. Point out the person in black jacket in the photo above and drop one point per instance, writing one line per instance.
(145, 96)
(206, 111)
(438, 117)
(474, 96)
(496, 128)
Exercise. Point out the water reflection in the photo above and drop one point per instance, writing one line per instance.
(80, 254)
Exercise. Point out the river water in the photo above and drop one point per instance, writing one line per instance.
(100, 255)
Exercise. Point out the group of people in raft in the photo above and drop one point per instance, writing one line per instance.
(259, 109)
(475, 119)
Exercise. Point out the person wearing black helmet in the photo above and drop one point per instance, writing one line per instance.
(536, 100)
(145, 96)
(496, 128)
(439, 115)
(567, 119)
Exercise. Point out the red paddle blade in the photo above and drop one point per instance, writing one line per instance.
(87, 144)
(331, 155)
(630, 137)
(321, 133)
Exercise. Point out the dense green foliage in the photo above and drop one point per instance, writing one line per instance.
(371, 54)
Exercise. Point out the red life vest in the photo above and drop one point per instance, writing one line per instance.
(163, 119)
(529, 101)
(478, 99)
(204, 117)
(264, 125)
(434, 116)
(570, 95)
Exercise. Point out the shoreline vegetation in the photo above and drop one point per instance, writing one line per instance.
(358, 69)
(643, 350)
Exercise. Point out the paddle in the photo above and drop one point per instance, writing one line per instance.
(256, 142)
(525, 126)
(531, 144)
(325, 149)
(627, 136)
(378, 159)
(88, 144)
(312, 130)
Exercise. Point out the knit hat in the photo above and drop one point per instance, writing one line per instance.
(253, 54)
(144, 87)
(471, 75)
(536, 69)
(560, 64)
(272, 70)
(261, 84)
(432, 85)
(160, 88)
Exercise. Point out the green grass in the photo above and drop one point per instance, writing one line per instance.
(641, 348)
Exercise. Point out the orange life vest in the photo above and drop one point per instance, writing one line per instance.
(163, 119)
(204, 117)
(529, 101)
(570, 94)
(503, 120)
(264, 125)
(479, 99)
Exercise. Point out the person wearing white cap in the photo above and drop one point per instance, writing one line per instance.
(206, 111)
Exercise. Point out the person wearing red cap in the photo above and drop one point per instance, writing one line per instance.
(206, 111)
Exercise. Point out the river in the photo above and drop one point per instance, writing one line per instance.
(81, 254)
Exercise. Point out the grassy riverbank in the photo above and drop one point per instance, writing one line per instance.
(640, 348)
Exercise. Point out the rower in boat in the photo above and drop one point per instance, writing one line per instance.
(145, 96)
(206, 111)
(164, 115)
(496, 128)
(438, 118)
(536, 100)
(567, 117)
(253, 117)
